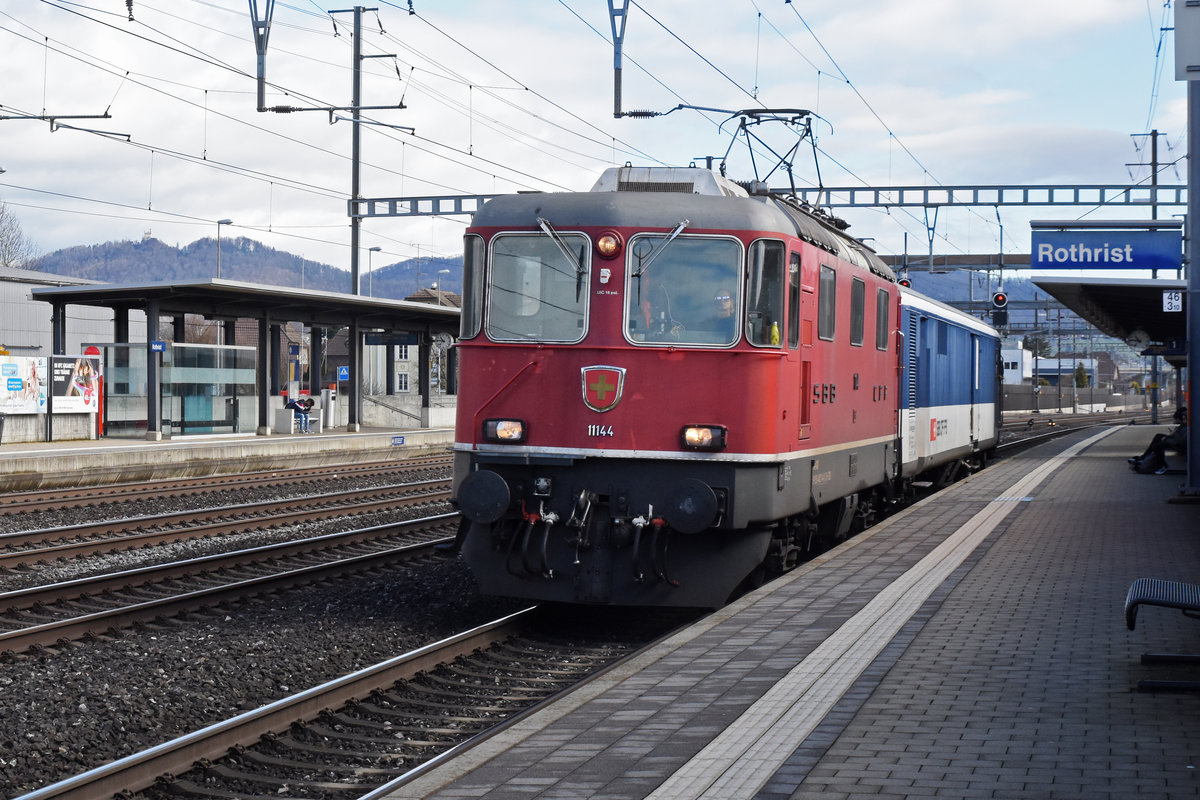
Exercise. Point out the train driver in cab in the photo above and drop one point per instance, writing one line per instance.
(722, 321)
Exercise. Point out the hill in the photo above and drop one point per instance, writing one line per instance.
(242, 259)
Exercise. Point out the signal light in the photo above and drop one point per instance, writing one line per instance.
(905, 282)
(504, 431)
(999, 299)
(704, 437)
(608, 245)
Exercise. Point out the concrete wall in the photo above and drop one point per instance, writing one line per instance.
(32, 428)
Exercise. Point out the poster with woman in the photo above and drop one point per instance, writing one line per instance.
(76, 384)
(22, 385)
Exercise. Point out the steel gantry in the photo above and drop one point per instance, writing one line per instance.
(1112, 195)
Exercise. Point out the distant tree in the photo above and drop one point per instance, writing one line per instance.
(16, 250)
(1082, 379)
(1039, 346)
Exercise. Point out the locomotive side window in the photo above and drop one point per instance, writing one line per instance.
(535, 292)
(764, 293)
(881, 319)
(794, 302)
(827, 303)
(858, 311)
(684, 290)
(472, 299)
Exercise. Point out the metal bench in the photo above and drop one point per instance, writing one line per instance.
(1168, 594)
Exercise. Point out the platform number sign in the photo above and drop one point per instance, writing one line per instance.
(1172, 300)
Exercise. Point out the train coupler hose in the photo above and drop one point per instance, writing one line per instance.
(660, 553)
(638, 523)
(548, 520)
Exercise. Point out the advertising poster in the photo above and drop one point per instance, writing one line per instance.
(76, 384)
(22, 385)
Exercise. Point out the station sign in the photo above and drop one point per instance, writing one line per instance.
(411, 338)
(1105, 249)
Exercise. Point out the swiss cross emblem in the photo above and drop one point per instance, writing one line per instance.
(602, 387)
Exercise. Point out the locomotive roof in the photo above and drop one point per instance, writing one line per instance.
(661, 197)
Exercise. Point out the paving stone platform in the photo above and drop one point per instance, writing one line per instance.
(973, 645)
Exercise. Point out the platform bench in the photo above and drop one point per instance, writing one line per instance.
(1157, 592)
(1168, 594)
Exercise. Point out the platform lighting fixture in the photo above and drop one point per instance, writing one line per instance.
(220, 222)
(371, 271)
(441, 285)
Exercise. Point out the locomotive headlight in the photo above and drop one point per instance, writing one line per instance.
(608, 245)
(704, 437)
(505, 431)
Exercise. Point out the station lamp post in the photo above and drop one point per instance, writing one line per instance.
(441, 284)
(371, 271)
(220, 222)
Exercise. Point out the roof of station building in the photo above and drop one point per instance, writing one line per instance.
(1123, 307)
(225, 299)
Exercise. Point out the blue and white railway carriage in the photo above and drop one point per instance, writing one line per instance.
(943, 418)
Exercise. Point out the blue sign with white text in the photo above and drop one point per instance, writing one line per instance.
(1115, 249)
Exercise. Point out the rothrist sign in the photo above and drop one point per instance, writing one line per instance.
(1118, 246)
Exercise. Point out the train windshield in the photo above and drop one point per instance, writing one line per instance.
(535, 292)
(690, 294)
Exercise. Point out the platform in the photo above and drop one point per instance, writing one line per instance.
(973, 645)
(46, 465)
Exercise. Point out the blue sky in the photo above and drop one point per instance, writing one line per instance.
(508, 96)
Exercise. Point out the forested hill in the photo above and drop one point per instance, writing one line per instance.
(242, 259)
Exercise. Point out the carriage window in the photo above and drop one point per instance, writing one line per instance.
(687, 290)
(536, 292)
(881, 319)
(764, 294)
(827, 303)
(794, 302)
(858, 311)
(472, 299)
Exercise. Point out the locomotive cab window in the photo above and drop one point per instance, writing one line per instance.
(537, 293)
(827, 303)
(685, 290)
(764, 293)
(794, 302)
(472, 299)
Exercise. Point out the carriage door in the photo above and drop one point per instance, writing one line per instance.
(974, 386)
(801, 310)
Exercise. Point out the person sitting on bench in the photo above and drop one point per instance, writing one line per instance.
(300, 407)
(1154, 460)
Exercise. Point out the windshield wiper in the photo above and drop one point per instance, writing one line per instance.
(562, 246)
(576, 262)
(645, 265)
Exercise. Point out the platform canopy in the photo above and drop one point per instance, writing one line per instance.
(219, 299)
(225, 299)
(1131, 309)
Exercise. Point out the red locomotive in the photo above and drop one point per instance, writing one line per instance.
(673, 384)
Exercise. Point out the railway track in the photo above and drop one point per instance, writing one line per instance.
(25, 547)
(86, 495)
(378, 726)
(55, 615)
